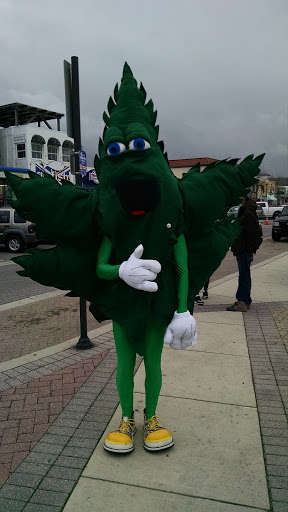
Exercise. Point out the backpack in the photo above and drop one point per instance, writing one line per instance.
(259, 237)
(240, 243)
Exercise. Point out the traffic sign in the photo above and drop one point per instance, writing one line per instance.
(82, 163)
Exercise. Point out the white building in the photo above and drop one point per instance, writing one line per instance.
(25, 144)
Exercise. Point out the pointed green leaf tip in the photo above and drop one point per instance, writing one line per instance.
(116, 89)
(106, 119)
(127, 71)
(127, 77)
(111, 105)
(33, 176)
(129, 107)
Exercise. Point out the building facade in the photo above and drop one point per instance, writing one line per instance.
(180, 167)
(32, 148)
(27, 145)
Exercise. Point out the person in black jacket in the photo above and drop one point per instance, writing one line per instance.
(244, 247)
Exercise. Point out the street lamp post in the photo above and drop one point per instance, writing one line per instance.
(71, 77)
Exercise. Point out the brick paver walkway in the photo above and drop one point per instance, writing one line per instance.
(269, 363)
(280, 316)
(44, 480)
(26, 412)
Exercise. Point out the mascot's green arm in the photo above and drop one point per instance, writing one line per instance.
(103, 269)
(106, 271)
(181, 260)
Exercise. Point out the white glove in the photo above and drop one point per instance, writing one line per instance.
(181, 332)
(139, 273)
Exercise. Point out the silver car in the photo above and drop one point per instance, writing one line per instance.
(15, 232)
(235, 209)
(233, 212)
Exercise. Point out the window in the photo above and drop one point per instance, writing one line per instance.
(37, 143)
(66, 152)
(18, 219)
(21, 153)
(37, 150)
(4, 216)
(53, 145)
(52, 152)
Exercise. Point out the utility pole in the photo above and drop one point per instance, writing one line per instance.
(72, 97)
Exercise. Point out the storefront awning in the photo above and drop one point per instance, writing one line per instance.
(68, 144)
(53, 142)
(16, 170)
(38, 139)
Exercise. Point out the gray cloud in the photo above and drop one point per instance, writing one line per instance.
(215, 69)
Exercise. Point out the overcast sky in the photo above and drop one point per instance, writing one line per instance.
(217, 70)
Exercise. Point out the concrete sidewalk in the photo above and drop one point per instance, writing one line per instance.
(208, 401)
(224, 401)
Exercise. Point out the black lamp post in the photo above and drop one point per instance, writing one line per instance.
(71, 77)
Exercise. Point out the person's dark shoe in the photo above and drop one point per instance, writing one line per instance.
(205, 295)
(238, 306)
(248, 305)
(198, 300)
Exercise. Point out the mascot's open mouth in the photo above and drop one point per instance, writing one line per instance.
(138, 197)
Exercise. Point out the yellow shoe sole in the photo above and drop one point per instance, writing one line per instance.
(109, 447)
(156, 447)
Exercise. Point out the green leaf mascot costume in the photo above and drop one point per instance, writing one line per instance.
(138, 248)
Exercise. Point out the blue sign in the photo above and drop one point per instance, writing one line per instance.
(82, 163)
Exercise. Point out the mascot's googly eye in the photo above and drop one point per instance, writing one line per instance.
(116, 148)
(139, 144)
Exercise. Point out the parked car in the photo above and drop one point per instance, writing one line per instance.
(235, 209)
(280, 225)
(15, 232)
(233, 212)
(270, 211)
(260, 212)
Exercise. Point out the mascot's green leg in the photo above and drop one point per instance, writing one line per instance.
(152, 360)
(126, 357)
(121, 440)
(156, 437)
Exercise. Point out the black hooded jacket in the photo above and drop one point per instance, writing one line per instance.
(251, 235)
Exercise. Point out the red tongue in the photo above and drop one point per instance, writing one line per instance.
(138, 212)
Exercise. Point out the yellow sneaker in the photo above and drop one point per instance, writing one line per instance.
(156, 437)
(121, 440)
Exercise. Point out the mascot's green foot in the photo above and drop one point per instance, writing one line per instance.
(156, 437)
(121, 440)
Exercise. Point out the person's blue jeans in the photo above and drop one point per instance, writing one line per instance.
(244, 261)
